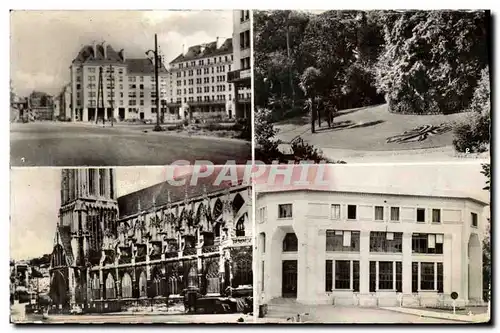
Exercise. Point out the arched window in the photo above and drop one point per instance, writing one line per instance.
(157, 283)
(238, 202)
(96, 287)
(290, 243)
(217, 210)
(126, 286)
(110, 287)
(240, 227)
(142, 285)
(58, 258)
(217, 230)
(212, 278)
(192, 277)
(262, 242)
(243, 272)
(157, 286)
(172, 285)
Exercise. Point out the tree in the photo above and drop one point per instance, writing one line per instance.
(310, 84)
(277, 38)
(472, 133)
(432, 60)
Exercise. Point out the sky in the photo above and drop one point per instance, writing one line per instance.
(35, 192)
(35, 201)
(43, 43)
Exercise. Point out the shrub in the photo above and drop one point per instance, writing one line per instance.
(472, 134)
(302, 151)
(431, 60)
(265, 131)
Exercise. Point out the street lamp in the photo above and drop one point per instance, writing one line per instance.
(157, 127)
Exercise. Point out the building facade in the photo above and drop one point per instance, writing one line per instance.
(41, 106)
(199, 80)
(110, 253)
(369, 249)
(62, 103)
(240, 76)
(106, 85)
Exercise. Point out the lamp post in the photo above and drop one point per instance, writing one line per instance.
(157, 127)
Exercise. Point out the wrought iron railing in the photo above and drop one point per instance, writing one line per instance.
(189, 252)
(210, 249)
(171, 254)
(242, 240)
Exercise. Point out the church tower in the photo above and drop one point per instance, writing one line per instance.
(88, 212)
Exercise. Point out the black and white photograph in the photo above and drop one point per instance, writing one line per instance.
(388, 250)
(84, 92)
(130, 245)
(372, 86)
(249, 166)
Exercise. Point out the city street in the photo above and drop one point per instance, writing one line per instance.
(70, 144)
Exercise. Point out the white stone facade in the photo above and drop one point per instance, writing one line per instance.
(369, 275)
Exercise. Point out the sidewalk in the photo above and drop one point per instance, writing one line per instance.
(478, 318)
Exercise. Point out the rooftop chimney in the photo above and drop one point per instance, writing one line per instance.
(203, 47)
(94, 45)
(183, 49)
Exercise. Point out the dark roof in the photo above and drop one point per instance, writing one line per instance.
(65, 235)
(194, 52)
(87, 54)
(129, 204)
(142, 66)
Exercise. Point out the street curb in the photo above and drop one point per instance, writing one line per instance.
(427, 314)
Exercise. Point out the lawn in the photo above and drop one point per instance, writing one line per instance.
(370, 128)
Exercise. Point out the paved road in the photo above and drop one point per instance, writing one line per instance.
(68, 144)
(353, 315)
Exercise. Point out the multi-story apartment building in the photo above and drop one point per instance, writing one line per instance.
(113, 252)
(198, 76)
(105, 84)
(241, 74)
(369, 248)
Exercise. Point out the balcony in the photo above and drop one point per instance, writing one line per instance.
(240, 75)
(174, 104)
(189, 252)
(244, 100)
(242, 240)
(171, 254)
(203, 103)
(210, 249)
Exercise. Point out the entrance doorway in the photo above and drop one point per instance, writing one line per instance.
(91, 114)
(121, 114)
(289, 283)
(141, 115)
(100, 114)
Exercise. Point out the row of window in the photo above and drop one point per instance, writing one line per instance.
(387, 242)
(285, 212)
(201, 62)
(383, 275)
